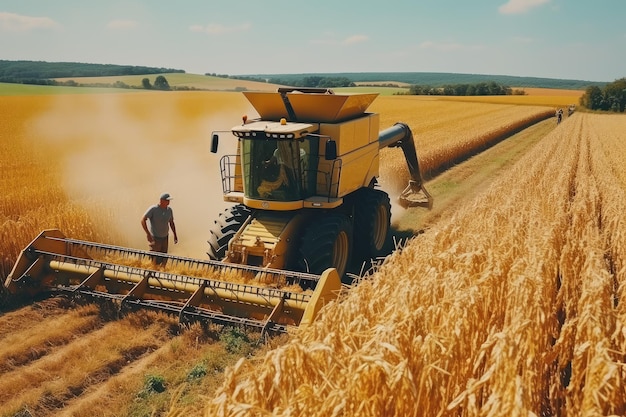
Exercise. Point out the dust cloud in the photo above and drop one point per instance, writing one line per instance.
(394, 177)
(121, 151)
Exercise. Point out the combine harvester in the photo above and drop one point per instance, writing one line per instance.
(303, 184)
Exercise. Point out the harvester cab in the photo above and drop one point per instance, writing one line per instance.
(305, 206)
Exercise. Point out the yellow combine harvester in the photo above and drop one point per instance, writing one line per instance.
(305, 206)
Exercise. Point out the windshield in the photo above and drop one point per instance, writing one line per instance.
(279, 170)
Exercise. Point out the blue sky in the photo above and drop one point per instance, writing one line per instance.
(569, 39)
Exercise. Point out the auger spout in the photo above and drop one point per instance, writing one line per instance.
(415, 194)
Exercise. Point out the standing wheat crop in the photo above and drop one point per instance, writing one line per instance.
(511, 307)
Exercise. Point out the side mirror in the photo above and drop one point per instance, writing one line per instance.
(215, 142)
(330, 152)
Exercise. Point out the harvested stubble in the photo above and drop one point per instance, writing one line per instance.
(87, 363)
(512, 307)
(70, 369)
(24, 345)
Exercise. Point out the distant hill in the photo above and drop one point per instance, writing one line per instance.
(35, 71)
(434, 79)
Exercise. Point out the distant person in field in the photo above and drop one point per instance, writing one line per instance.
(161, 219)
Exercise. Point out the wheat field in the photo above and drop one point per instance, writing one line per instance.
(90, 165)
(512, 307)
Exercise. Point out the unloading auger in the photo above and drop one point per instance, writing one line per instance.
(251, 297)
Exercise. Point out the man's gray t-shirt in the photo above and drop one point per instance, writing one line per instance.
(159, 220)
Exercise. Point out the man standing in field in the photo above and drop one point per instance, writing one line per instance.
(161, 219)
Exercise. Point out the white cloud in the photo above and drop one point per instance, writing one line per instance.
(355, 39)
(11, 22)
(218, 29)
(122, 24)
(520, 6)
(331, 40)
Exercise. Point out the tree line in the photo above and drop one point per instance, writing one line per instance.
(478, 89)
(318, 81)
(610, 98)
(160, 83)
(435, 79)
(37, 72)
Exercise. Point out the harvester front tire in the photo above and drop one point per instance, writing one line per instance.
(372, 221)
(224, 228)
(326, 243)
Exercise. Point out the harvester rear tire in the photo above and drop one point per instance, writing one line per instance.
(326, 243)
(372, 221)
(224, 228)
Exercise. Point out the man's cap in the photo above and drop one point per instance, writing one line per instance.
(166, 196)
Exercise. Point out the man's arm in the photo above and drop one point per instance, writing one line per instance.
(173, 227)
(145, 228)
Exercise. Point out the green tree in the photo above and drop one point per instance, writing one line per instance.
(161, 83)
(311, 81)
(482, 89)
(592, 99)
(615, 95)
(146, 84)
(611, 98)
(460, 89)
(448, 90)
